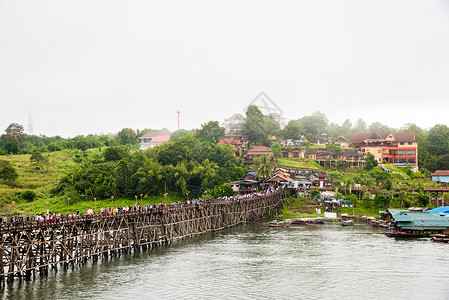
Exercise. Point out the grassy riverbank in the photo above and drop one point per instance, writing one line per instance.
(305, 208)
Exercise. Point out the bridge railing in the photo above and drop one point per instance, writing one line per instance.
(137, 211)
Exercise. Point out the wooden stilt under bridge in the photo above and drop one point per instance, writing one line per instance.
(31, 248)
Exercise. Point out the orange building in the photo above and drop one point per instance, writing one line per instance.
(394, 148)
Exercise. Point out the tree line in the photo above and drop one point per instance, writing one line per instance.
(192, 163)
(16, 141)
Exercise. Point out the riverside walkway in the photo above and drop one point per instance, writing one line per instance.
(31, 248)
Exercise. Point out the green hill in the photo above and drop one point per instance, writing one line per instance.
(299, 163)
(39, 181)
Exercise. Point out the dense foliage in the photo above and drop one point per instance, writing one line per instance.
(187, 165)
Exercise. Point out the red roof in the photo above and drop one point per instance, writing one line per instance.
(259, 150)
(161, 139)
(441, 173)
(231, 142)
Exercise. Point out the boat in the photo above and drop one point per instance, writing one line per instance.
(441, 238)
(347, 223)
(276, 223)
(406, 234)
(305, 221)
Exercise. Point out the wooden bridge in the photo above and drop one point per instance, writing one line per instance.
(30, 249)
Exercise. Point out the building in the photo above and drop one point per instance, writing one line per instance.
(341, 140)
(256, 151)
(293, 152)
(395, 148)
(327, 158)
(440, 176)
(154, 138)
(233, 123)
(322, 138)
(281, 175)
(417, 223)
(237, 144)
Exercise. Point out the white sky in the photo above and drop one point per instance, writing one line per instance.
(82, 67)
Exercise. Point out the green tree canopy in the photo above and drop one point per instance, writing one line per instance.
(370, 161)
(14, 135)
(264, 166)
(276, 149)
(211, 132)
(438, 140)
(315, 123)
(38, 160)
(7, 172)
(126, 136)
(253, 128)
(115, 153)
(293, 130)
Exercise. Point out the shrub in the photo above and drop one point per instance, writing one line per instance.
(28, 196)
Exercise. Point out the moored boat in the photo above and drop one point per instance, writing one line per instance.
(347, 223)
(441, 238)
(276, 223)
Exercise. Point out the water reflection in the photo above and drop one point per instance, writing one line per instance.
(256, 262)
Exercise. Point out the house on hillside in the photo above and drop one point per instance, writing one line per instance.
(395, 148)
(440, 176)
(324, 158)
(322, 138)
(233, 123)
(341, 140)
(256, 151)
(237, 144)
(154, 138)
(292, 152)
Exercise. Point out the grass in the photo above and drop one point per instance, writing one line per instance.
(299, 163)
(295, 204)
(39, 181)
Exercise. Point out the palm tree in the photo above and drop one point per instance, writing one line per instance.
(264, 167)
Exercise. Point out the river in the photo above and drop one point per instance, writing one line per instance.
(256, 262)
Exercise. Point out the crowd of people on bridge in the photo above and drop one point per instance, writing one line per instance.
(56, 218)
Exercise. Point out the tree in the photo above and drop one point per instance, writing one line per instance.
(276, 149)
(314, 194)
(347, 125)
(264, 167)
(7, 172)
(334, 175)
(83, 143)
(335, 148)
(379, 127)
(360, 126)
(126, 136)
(177, 134)
(210, 132)
(314, 124)
(14, 134)
(38, 160)
(438, 140)
(115, 153)
(293, 130)
(442, 162)
(29, 196)
(223, 190)
(371, 162)
(253, 127)
(309, 137)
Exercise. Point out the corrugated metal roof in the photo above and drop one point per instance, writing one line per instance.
(422, 220)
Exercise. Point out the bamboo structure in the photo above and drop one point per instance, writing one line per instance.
(35, 249)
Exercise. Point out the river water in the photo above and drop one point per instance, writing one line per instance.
(256, 262)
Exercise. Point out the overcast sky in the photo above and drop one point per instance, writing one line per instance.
(90, 67)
